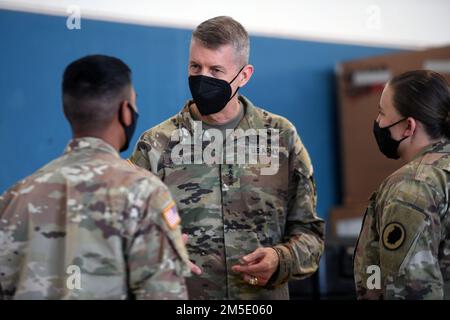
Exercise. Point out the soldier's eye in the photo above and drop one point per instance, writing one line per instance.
(195, 67)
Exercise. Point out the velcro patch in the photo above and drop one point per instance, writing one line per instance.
(170, 215)
(393, 236)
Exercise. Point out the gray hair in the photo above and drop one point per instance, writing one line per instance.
(224, 30)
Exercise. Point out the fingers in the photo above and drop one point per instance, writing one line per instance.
(252, 263)
(194, 268)
(254, 256)
(254, 268)
(184, 237)
(261, 263)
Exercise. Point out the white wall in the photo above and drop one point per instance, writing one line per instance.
(393, 23)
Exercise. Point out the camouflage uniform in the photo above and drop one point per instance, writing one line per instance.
(91, 209)
(229, 210)
(406, 231)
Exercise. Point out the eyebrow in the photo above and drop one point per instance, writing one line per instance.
(218, 66)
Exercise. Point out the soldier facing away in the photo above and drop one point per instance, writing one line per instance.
(403, 251)
(88, 225)
(252, 226)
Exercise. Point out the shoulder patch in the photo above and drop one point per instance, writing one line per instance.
(393, 236)
(171, 216)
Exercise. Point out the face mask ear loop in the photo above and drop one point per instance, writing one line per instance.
(234, 93)
(235, 79)
(395, 123)
(237, 74)
(403, 139)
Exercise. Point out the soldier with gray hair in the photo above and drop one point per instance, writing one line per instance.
(88, 225)
(251, 222)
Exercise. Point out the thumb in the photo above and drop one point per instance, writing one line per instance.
(194, 268)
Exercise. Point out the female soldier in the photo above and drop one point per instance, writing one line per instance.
(403, 251)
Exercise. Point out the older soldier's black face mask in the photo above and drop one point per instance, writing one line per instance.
(129, 130)
(387, 145)
(210, 94)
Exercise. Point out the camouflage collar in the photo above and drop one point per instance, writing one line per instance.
(441, 146)
(185, 119)
(90, 143)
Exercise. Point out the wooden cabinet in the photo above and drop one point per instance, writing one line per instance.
(360, 84)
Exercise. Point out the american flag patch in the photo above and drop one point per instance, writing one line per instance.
(170, 215)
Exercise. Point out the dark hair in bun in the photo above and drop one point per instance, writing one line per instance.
(425, 96)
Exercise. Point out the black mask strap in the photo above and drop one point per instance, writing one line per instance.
(391, 125)
(237, 74)
(129, 130)
(235, 79)
(394, 125)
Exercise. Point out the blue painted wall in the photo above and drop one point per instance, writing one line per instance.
(292, 78)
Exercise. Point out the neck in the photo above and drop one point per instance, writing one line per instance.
(100, 135)
(228, 113)
(417, 144)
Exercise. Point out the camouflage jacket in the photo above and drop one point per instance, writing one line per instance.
(229, 210)
(88, 225)
(406, 230)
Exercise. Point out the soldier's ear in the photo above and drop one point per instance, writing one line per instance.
(411, 127)
(125, 116)
(246, 73)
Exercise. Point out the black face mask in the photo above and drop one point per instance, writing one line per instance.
(387, 145)
(129, 130)
(211, 95)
